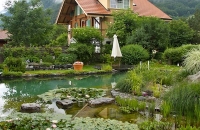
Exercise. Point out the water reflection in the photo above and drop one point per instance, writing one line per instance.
(17, 91)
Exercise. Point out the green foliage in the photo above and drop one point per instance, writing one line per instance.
(184, 101)
(176, 55)
(154, 125)
(133, 54)
(165, 109)
(66, 58)
(44, 121)
(107, 67)
(128, 105)
(84, 52)
(125, 21)
(152, 34)
(28, 24)
(14, 64)
(61, 40)
(178, 8)
(7, 73)
(132, 83)
(193, 22)
(85, 35)
(180, 33)
(192, 62)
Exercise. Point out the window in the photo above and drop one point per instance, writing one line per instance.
(88, 23)
(96, 22)
(78, 10)
(120, 4)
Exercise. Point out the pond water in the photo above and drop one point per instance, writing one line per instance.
(14, 92)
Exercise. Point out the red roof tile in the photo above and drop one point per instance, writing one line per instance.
(146, 8)
(92, 7)
(3, 35)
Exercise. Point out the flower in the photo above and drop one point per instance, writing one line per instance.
(53, 126)
(54, 121)
(48, 129)
(154, 51)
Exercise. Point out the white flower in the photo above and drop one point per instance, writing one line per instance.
(54, 121)
(87, 96)
(54, 125)
(48, 129)
(154, 51)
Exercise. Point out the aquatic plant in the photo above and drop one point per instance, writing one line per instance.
(131, 83)
(154, 125)
(48, 121)
(72, 93)
(184, 100)
(129, 105)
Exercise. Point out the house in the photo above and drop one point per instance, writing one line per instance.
(3, 37)
(97, 13)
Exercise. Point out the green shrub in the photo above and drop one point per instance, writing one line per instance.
(11, 74)
(132, 83)
(33, 59)
(66, 58)
(84, 52)
(192, 62)
(15, 64)
(176, 55)
(133, 54)
(60, 40)
(107, 67)
(85, 35)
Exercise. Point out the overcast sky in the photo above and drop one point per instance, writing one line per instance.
(2, 3)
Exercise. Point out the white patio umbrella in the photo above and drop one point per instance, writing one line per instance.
(116, 52)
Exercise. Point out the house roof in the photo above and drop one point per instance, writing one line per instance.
(94, 7)
(3, 35)
(146, 8)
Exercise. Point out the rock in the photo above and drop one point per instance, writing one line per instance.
(194, 77)
(100, 101)
(30, 107)
(65, 104)
(122, 95)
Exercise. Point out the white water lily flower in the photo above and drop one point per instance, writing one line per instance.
(48, 129)
(87, 96)
(54, 125)
(54, 121)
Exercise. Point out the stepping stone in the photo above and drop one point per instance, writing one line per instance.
(30, 107)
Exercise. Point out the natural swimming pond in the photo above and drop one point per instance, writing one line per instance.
(14, 92)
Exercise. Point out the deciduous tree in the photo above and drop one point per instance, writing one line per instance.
(28, 23)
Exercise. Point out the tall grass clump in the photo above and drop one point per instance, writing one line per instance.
(132, 83)
(192, 60)
(184, 101)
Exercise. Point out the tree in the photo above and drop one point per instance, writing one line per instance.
(180, 33)
(194, 23)
(125, 21)
(152, 33)
(28, 23)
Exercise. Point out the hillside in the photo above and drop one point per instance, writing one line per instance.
(177, 8)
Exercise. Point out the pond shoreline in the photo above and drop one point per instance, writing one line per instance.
(75, 73)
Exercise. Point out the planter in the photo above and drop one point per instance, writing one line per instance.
(78, 65)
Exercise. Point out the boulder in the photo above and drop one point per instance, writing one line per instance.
(194, 77)
(65, 104)
(30, 107)
(100, 101)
